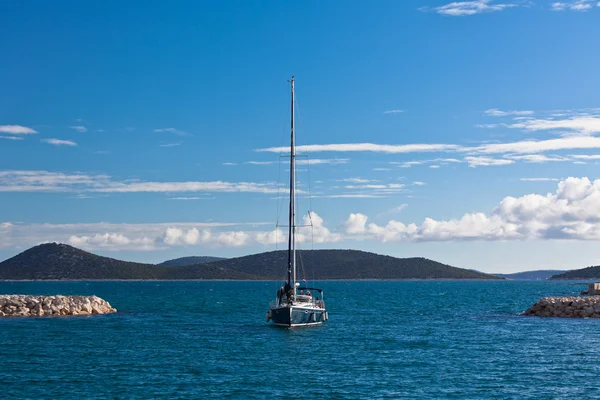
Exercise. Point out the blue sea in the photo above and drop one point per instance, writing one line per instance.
(383, 340)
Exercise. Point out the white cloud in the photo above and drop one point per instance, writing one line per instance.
(417, 183)
(59, 142)
(366, 147)
(316, 161)
(46, 181)
(79, 128)
(585, 125)
(170, 144)
(351, 196)
(382, 187)
(317, 232)
(465, 8)
(111, 241)
(576, 5)
(191, 198)
(171, 130)
(193, 186)
(539, 179)
(229, 164)
(356, 223)
(398, 209)
(382, 169)
(393, 111)
(260, 162)
(486, 161)
(538, 158)
(357, 180)
(586, 157)
(16, 130)
(540, 146)
(441, 161)
(494, 112)
(572, 212)
(11, 137)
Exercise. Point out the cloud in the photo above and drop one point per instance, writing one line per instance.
(494, 112)
(366, 147)
(538, 158)
(11, 137)
(465, 8)
(572, 212)
(393, 111)
(47, 181)
(586, 157)
(59, 142)
(417, 183)
(486, 161)
(316, 161)
(539, 179)
(111, 236)
(585, 125)
(397, 209)
(260, 162)
(191, 198)
(111, 241)
(441, 161)
(171, 130)
(540, 146)
(357, 180)
(170, 144)
(310, 161)
(229, 164)
(577, 5)
(193, 186)
(79, 128)
(351, 196)
(16, 130)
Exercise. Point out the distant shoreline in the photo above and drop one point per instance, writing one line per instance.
(252, 280)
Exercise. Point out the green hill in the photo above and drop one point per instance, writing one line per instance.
(541, 274)
(193, 260)
(64, 262)
(584, 273)
(60, 261)
(347, 264)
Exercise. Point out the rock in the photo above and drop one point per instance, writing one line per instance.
(27, 305)
(566, 307)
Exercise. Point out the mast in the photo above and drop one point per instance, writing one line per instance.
(292, 214)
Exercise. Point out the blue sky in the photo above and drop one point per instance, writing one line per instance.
(465, 132)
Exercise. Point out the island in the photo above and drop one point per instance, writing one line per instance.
(54, 261)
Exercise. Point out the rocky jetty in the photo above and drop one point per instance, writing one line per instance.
(566, 307)
(18, 305)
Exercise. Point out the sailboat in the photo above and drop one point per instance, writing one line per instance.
(295, 306)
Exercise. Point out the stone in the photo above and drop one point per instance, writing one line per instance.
(27, 305)
(566, 307)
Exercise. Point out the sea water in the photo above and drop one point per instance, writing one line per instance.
(401, 339)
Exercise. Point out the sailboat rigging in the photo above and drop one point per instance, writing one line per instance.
(295, 306)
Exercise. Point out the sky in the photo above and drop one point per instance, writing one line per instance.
(464, 132)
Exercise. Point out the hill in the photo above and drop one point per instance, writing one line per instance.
(347, 264)
(541, 274)
(64, 262)
(60, 261)
(584, 273)
(193, 260)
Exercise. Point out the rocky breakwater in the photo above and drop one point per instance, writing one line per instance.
(17, 305)
(566, 307)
